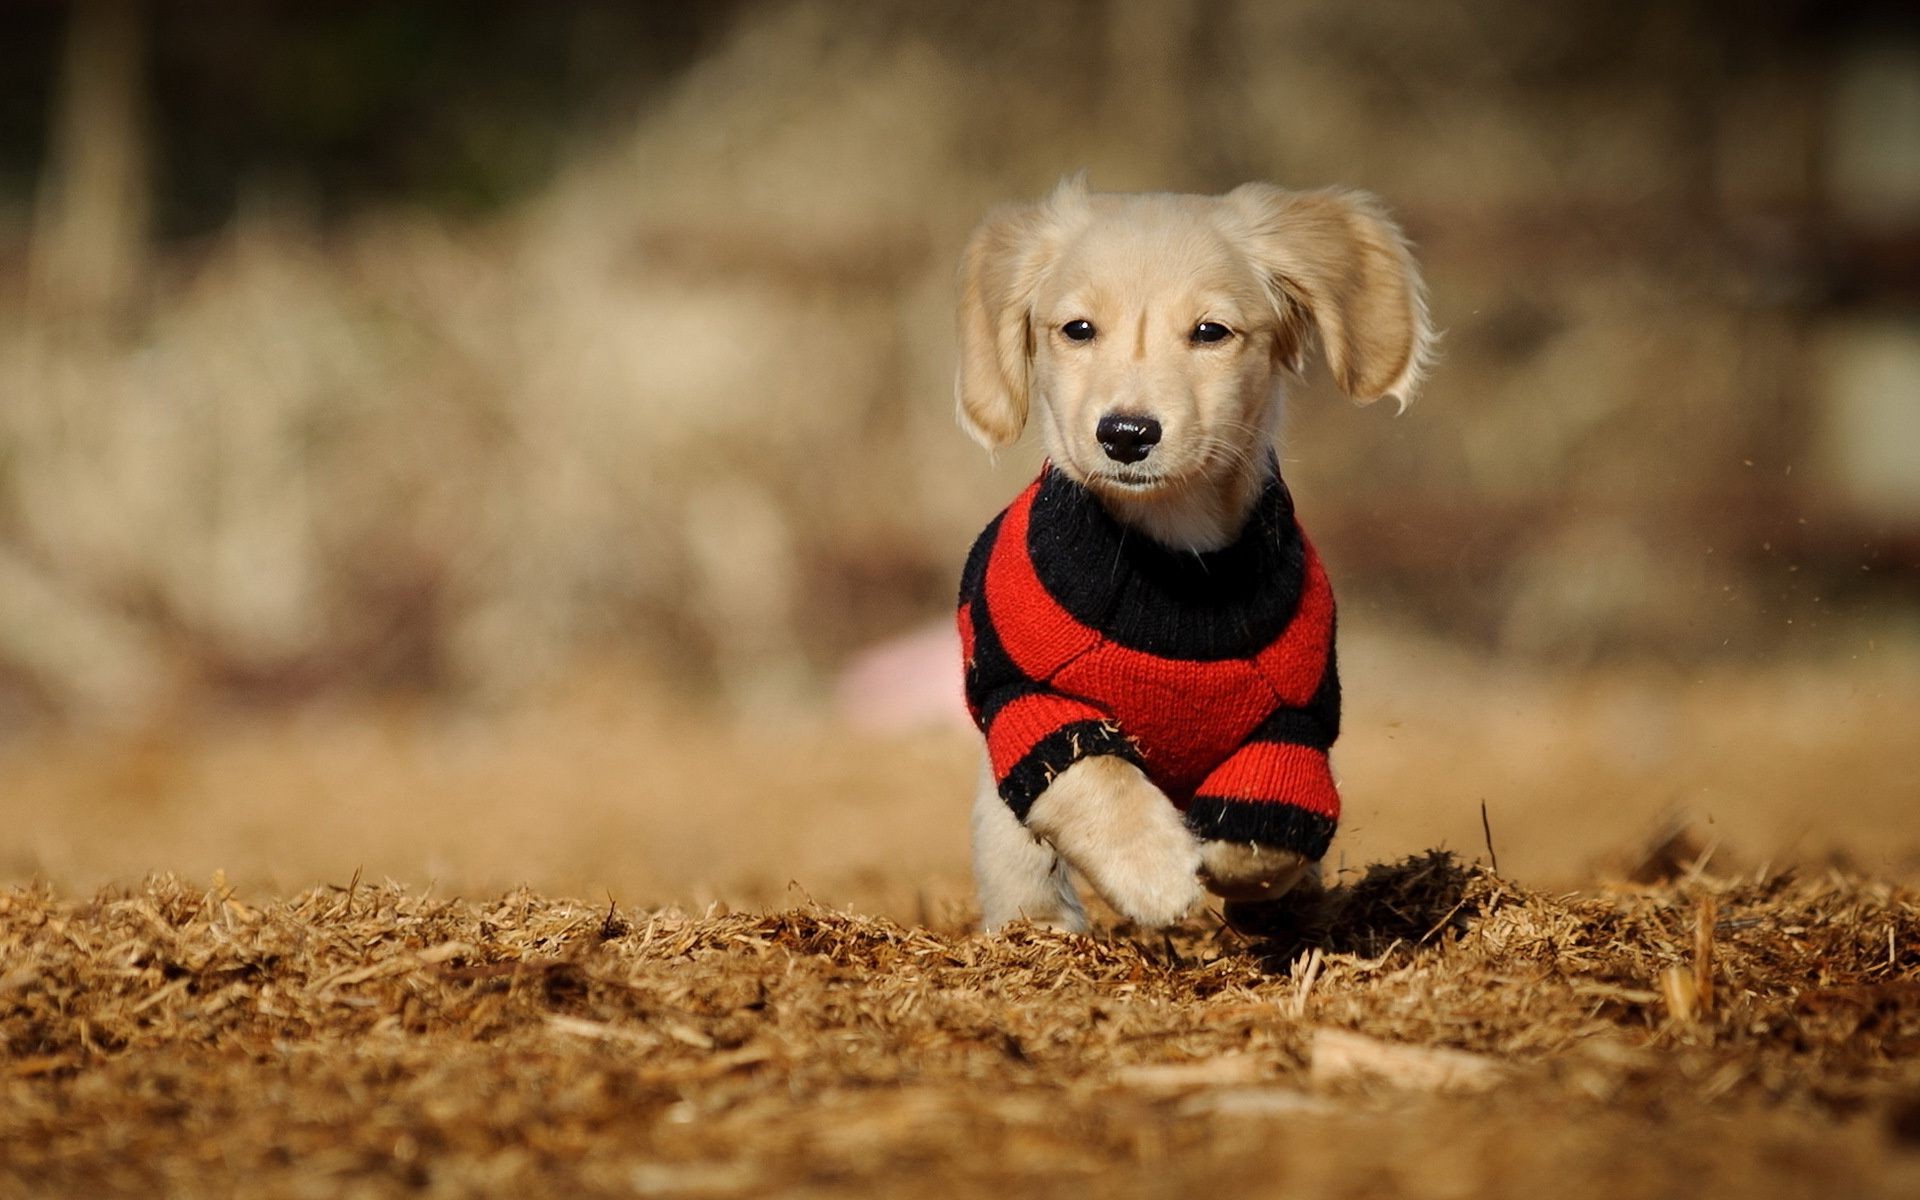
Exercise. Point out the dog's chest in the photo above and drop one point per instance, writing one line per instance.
(1187, 674)
(1186, 716)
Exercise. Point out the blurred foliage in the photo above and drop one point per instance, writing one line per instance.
(457, 106)
(460, 342)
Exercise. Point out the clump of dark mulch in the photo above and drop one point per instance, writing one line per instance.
(1392, 905)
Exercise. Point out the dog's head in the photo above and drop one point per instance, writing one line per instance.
(1151, 332)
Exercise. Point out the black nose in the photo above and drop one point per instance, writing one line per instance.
(1127, 439)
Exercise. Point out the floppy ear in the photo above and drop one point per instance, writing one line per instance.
(999, 272)
(1336, 264)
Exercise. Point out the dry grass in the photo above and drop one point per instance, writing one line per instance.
(1434, 1030)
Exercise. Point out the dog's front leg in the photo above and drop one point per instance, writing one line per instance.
(1109, 821)
(1019, 876)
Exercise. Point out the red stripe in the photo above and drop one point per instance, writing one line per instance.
(1275, 773)
(1186, 715)
(1039, 635)
(966, 633)
(1019, 726)
(1297, 660)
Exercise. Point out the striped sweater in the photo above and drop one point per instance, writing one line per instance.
(1214, 672)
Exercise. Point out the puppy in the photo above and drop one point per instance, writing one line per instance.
(1148, 634)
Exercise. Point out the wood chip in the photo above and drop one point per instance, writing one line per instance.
(1340, 1056)
(1184, 1076)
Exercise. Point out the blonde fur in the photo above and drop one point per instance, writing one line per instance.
(1021, 878)
(1107, 819)
(1282, 271)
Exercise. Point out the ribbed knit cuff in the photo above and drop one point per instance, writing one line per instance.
(1268, 822)
(1054, 753)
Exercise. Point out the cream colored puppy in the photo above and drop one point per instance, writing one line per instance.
(1150, 336)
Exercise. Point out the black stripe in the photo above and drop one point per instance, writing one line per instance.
(993, 679)
(1056, 752)
(1317, 725)
(973, 576)
(1269, 823)
(1226, 603)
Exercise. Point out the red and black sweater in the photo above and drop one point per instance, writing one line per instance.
(1214, 672)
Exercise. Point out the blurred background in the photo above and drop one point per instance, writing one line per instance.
(488, 443)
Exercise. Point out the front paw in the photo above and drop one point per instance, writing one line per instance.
(1120, 831)
(1250, 871)
(1148, 874)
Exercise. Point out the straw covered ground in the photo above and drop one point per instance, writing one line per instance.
(1427, 1028)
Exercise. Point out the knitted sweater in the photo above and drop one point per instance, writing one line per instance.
(1214, 672)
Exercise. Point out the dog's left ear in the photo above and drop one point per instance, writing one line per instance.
(1336, 264)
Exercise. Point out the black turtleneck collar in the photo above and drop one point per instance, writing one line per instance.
(1225, 603)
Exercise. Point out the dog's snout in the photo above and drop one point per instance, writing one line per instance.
(1127, 439)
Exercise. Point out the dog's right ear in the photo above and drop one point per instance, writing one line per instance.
(1000, 271)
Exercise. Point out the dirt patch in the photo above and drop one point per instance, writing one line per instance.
(616, 784)
(1433, 1029)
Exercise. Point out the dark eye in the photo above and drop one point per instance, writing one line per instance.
(1078, 331)
(1211, 331)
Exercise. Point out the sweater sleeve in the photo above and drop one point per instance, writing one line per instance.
(1277, 789)
(1033, 731)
